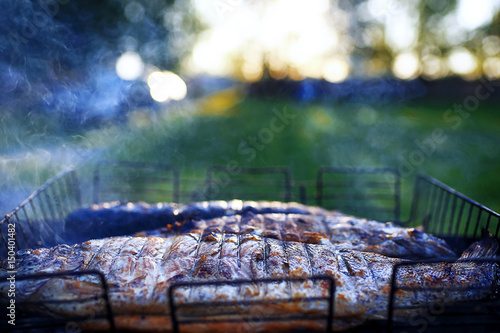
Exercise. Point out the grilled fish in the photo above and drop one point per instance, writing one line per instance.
(249, 246)
(118, 219)
(312, 223)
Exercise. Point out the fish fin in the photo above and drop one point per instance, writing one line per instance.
(486, 247)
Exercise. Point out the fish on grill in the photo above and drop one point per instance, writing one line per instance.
(358, 254)
(313, 224)
(118, 219)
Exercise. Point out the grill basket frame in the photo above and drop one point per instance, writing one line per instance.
(442, 210)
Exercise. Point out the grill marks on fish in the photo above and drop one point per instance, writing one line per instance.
(359, 287)
(131, 272)
(228, 261)
(107, 254)
(346, 232)
(286, 250)
(472, 280)
(122, 271)
(206, 261)
(93, 247)
(276, 262)
(251, 255)
(228, 264)
(144, 265)
(148, 266)
(299, 261)
(159, 289)
(311, 228)
(179, 262)
(322, 261)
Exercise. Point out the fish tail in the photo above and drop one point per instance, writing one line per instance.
(486, 247)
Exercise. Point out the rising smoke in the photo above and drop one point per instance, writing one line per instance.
(57, 79)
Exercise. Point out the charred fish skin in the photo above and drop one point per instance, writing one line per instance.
(119, 219)
(385, 238)
(345, 232)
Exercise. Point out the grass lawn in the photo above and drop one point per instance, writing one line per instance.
(461, 151)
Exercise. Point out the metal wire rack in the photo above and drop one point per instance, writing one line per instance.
(450, 214)
(368, 192)
(467, 316)
(130, 181)
(24, 321)
(246, 314)
(40, 220)
(135, 181)
(272, 183)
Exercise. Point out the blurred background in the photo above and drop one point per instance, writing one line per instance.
(371, 83)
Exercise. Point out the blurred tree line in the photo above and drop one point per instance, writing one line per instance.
(431, 39)
(58, 56)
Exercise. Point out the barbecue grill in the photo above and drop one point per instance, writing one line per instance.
(41, 221)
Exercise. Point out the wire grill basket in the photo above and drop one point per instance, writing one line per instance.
(40, 221)
(470, 314)
(369, 192)
(273, 183)
(449, 214)
(135, 181)
(251, 312)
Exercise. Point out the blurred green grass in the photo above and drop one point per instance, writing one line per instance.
(340, 135)
(347, 135)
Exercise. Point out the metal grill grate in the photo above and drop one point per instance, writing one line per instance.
(135, 181)
(40, 219)
(49, 324)
(250, 312)
(368, 192)
(470, 315)
(273, 183)
(449, 214)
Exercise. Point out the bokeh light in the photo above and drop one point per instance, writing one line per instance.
(491, 68)
(336, 70)
(166, 86)
(247, 37)
(406, 66)
(401, 24)
(472, 14)
(491, 45)
(134, 12)
(433, 67)
(129, 66)
(462, 62)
